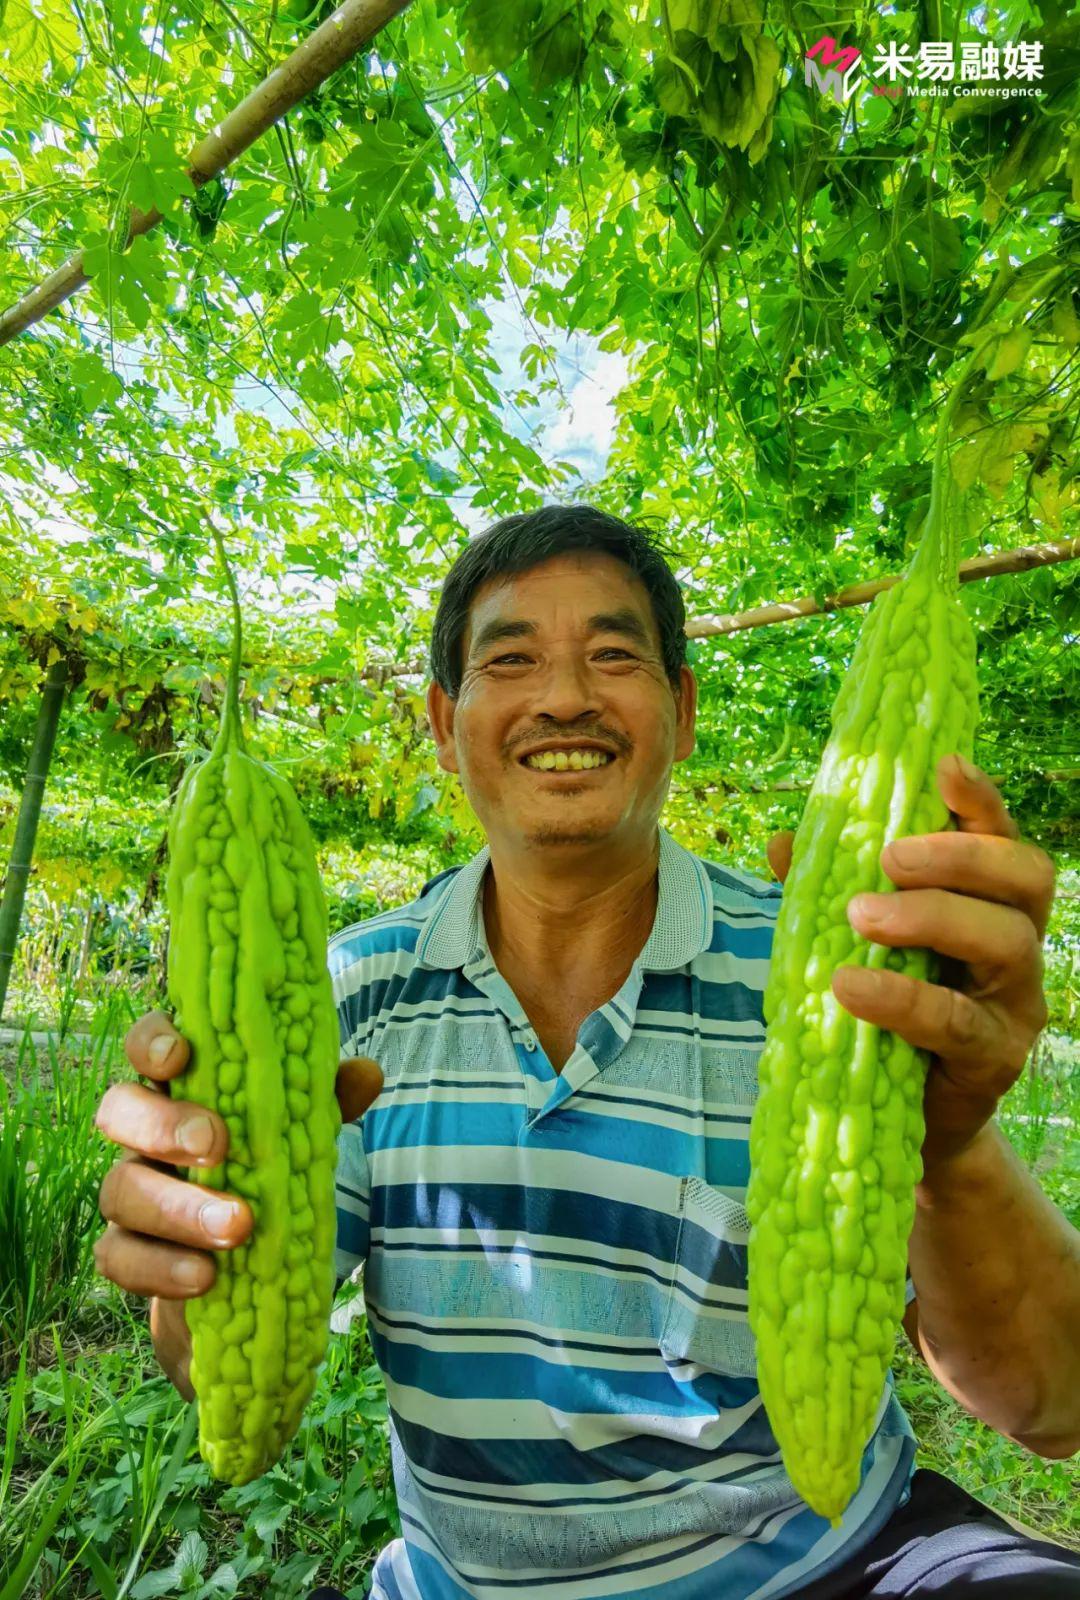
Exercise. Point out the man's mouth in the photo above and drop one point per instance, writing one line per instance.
(568, 760)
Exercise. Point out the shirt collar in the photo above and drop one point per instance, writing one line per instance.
(455, 935)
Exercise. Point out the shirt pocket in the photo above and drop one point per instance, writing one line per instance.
(705, 1320)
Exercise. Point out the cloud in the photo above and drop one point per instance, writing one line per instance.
(584, 427)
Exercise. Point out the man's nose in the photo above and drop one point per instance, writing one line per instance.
(565, 690)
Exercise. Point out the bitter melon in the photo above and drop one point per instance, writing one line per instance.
(838, 1126)
(250, 990)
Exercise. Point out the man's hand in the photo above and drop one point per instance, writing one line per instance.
(981, 899)
(162, 1229)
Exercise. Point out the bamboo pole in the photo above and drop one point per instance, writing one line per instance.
(333, 43)
(857, 594)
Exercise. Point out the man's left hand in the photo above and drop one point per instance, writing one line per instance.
(980, 898)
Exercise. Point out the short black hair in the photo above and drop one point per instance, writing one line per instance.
(524, 540)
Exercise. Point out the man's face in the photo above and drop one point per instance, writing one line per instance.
(565, 655)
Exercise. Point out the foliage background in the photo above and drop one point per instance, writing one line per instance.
(359, 348)
(380, 332)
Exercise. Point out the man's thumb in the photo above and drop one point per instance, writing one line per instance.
(358, 1083)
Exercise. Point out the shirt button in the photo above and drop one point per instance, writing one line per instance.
(530, 1041)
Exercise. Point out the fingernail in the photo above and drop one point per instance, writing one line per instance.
(160, 1048)
(879, 910)
(857, 981)
(196, 1136)
(215, 1217)
(861, 906)
(187, 1271)
(970, 772)
(909, 853)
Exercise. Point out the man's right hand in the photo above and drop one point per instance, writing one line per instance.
(162, 1229)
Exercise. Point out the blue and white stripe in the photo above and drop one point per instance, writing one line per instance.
(555, 1264)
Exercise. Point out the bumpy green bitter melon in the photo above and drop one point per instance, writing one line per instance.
(251, 992)
(837, 1130)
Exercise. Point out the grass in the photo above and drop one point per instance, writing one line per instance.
(102, 1490)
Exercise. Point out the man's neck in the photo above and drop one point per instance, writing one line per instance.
(577, 924)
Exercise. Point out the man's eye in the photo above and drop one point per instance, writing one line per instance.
(611, 650)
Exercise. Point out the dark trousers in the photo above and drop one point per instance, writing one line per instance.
(944, 1542)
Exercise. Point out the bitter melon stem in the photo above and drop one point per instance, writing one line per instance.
(230, 710)
(938, 545)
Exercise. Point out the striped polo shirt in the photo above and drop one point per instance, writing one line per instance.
(555, 1264)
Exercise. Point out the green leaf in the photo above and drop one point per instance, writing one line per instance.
(329, 223)
(520, 270)
(661, 409)
(304, 308)
(95, 381)
(496, 35)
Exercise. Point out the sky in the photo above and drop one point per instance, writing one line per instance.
(579, 429)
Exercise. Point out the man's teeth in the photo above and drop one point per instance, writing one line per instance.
(562, 760)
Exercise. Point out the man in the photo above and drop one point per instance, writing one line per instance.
(550, 1072)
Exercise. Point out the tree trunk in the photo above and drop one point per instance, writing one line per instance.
(22, 852)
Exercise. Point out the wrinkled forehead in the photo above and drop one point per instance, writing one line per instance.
(590, 594)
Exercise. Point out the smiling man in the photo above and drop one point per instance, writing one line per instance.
(549, 1069)
(563, 721)
(546, 1193)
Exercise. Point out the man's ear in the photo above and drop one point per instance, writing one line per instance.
(440, 711)
(686, 706)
